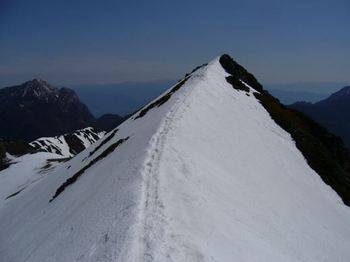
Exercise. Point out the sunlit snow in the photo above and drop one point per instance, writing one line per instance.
(206, 176)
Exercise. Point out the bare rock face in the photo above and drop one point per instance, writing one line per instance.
(36, 108)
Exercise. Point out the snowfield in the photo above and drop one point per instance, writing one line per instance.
(24, 172)
(59, 144)
(205, 175)
(28, 169)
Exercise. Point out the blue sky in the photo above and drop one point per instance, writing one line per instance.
(72, 42)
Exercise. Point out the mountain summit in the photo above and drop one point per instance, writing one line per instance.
(215, 169)
(36, 87)
(35, 109)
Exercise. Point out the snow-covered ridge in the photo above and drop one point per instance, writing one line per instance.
(68, 145)
(204, 174)
(48, 154)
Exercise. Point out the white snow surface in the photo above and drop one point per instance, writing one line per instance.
(59, 145)
(207, 176)
(24, 172)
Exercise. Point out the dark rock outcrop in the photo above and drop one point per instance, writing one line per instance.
(36, 109)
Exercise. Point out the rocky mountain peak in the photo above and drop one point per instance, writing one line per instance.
(37, 87)
(36, 108)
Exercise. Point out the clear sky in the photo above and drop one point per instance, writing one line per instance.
(70, 41)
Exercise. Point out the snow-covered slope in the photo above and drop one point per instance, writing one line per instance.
(68, 145)
(24, 172)
(200, 174)
(48, 153)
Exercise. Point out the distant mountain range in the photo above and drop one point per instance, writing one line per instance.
(332, 112)
(288, 97)
(37, 109)
(125, 98)
(303, 91)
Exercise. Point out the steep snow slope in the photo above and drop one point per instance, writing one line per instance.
(201, 174)
(25, 171)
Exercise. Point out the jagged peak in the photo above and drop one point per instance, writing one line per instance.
(239, 73)
(37, 87)
(40, 88)
(39, 83)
